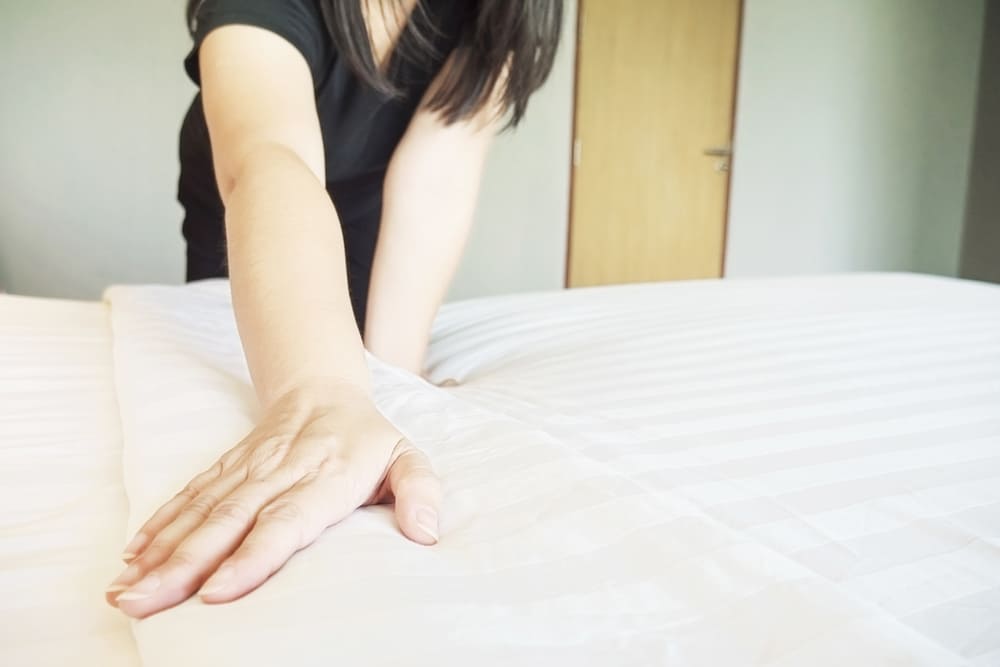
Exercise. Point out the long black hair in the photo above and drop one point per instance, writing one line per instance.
(510, 42)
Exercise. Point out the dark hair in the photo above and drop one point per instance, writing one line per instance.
(510, 40)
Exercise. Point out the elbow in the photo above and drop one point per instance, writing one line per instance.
(254, 162)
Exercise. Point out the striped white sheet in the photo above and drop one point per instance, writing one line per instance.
(62, 505)
(758, 472)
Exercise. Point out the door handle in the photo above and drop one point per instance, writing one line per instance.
(719, 151)
(723, 153)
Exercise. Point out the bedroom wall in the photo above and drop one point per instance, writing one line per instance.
(519, 239)
(981, 240)
(93, 97)
(853, 134)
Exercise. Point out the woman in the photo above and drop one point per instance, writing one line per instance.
(330, 166)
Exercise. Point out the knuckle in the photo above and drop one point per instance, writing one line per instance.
(182, 558)
(201, 507)
(424, 475)
(321, 440)
(284, 510)
(207, 476)
(273, 443)
(336, 464)
(407, 455)
(284, 476)
(307, 474)
(230, 458)
(257, 473)
(158, 546)
(156, 553)
(292, 517)
(330, 441)
(230, 512)
(409, 486)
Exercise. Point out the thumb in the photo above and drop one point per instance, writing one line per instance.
(417, 491)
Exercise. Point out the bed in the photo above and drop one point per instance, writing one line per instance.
(63, 509)
(752, 472)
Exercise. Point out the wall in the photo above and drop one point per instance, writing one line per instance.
(853, 133)
(89, 168)
(519, 240)
(93, 98)
(981, 241)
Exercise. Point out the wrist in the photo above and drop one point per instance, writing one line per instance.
(313, 391)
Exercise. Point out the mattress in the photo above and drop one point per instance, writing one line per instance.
(753, 472)
(62, 505)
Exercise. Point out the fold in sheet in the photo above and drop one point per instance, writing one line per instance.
(760, 472)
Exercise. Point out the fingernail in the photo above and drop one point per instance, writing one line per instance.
(133, 548)
(217, 581)
(427, 520)
(141, 590)
(115, 588)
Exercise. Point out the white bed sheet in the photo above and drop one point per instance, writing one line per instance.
(758, 472)
(62, 504)
(851, 423)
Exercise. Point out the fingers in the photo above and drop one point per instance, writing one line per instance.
(158, 546)
(192, 515)
(290, 522)
(418, 494)
(296, 518)
(169, 511)
(158, 581)
(243, 527)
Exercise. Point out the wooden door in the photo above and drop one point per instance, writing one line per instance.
(654, 114)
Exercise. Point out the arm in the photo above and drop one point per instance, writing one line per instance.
(321, 449)
(283, 233)
(430, 197)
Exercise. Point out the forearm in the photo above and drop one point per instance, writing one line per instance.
(430, 197)
(288, 278)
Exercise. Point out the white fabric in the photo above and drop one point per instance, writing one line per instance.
(758, 472)
(62, 505)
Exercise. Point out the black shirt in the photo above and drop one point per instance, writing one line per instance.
(360, 126)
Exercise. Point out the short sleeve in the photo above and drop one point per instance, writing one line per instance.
(299, 22)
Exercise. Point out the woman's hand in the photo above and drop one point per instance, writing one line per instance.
(317, 455)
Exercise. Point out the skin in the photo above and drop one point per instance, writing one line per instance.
(321, 449)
